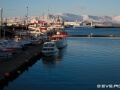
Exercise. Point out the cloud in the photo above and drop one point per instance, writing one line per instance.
(78, 7)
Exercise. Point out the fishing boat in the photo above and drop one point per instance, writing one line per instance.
(58, 26)
(9, 44)
(43, 29)
(61, 32)
(49, 49)
(60, 40)
(4, 52)
(34, 31)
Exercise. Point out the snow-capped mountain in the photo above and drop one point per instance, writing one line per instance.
(89, 18)
(114, 20)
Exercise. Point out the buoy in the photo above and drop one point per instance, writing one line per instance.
(18, 72)
(26, 61)
(7, 74)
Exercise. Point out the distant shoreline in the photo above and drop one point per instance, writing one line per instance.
(107, 26)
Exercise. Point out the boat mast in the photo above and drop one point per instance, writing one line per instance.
(48, 14)
(43, 19)
(27, 15)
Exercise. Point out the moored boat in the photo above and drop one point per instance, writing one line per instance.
(9, 44)
(49, 49)
(4, 52)
(34, 31)
(60, 40)
(43, 29)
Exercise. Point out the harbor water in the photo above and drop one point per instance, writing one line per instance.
(86, 63)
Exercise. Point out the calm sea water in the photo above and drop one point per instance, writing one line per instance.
(82, 65)
(96, 31)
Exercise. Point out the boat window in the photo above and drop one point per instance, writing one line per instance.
(50, 49)
(45, 45)
(44, 48)
(51, 45)
(56, 38)
(37, 30)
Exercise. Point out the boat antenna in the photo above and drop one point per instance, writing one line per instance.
(48, 12)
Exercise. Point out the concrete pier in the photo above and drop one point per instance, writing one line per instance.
(92, 35)
(107, 26)
(8, 65)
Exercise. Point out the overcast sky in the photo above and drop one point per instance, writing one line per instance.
(13, 8)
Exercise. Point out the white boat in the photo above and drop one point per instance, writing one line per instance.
(58, 26)
(34, 31)
(49, 49)
(35, 40)
(60, 40)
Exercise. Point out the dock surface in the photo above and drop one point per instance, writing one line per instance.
(92, 35)
(7, 65)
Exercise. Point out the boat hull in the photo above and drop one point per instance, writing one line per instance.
(49, 49)
(6, 53)
(61, 43)
(50, 53)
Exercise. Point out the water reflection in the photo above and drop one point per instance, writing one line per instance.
(49, 61)
(52, 61)
(61, 55)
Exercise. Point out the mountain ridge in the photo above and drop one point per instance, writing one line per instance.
(114, 20)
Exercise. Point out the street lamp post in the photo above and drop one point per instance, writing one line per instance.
(27, 22)
(1, 21)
